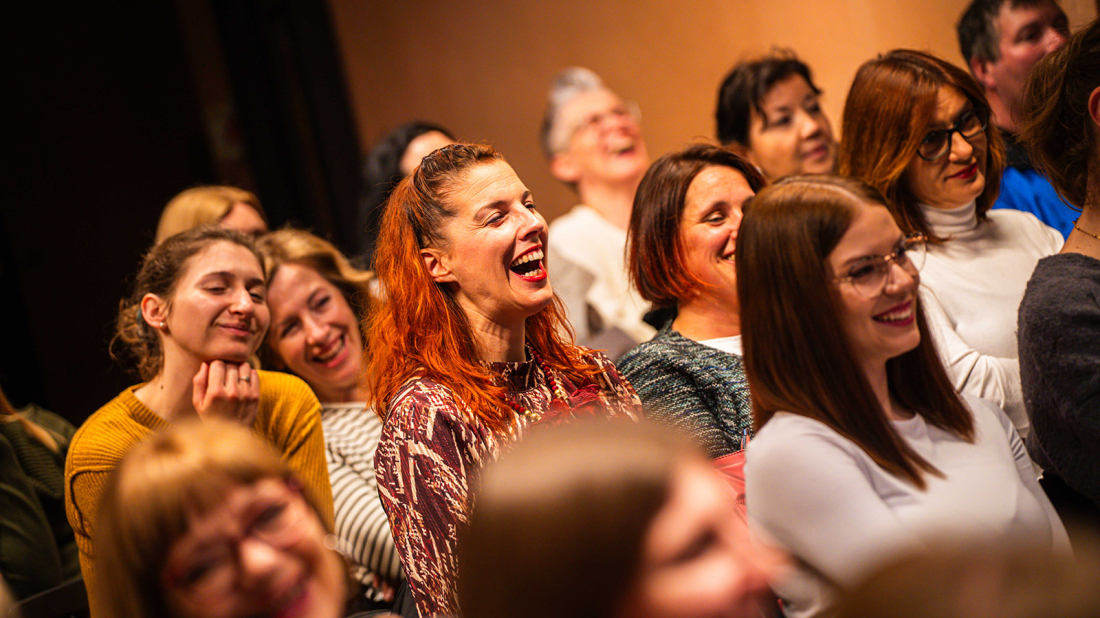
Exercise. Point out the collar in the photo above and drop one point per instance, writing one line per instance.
(946, 222)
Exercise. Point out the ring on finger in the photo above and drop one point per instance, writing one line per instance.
(245, 378)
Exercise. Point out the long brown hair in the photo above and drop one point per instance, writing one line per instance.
(420, 329)
(575, 500)
(797, 356)
(654, 245)
(889, 108)
(1057, 128)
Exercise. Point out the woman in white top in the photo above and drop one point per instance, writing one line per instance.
(863, 450)
(316, 299)
(926, 143)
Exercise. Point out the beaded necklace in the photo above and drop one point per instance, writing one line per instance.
(1084, 231)
(557, 393)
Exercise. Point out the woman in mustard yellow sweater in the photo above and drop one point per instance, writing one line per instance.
(197, 314)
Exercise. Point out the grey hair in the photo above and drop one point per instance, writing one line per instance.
(565, 87)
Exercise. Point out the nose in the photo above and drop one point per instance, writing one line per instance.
(243, 302)
(899, 278)
(314, 329)
(961, 148)
(259, 562)
(809, 126)
(532, 223)
(1055, 39)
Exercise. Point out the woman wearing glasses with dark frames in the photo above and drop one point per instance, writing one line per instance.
(863, 450)
(918, 130)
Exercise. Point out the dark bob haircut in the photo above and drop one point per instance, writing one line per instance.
(655, 249)
(744, 89)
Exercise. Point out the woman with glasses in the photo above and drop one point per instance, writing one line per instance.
(207, 520)
(923, 139)
(863, 451)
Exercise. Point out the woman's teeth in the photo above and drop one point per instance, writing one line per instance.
(336, 348)
(898, 315)
(527, 258)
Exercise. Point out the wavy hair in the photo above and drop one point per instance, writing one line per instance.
(420, 330)
(136, 342)
(797, 355)
(289, 245)
(654, 243)
(889, 109)
(1057, 128)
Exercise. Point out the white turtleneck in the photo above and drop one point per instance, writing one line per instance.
(971, 286)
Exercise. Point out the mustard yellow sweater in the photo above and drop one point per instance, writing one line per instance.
(289, 418)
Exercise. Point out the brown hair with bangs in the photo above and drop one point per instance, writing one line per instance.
(654, 244)
(888, 112)
(189, 468)
(798, 357)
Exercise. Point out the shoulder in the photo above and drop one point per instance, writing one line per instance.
(576, 219)
(107, 435)
(1025, 226)
(671, 354)
(285, 388)
(987, 415)
(788, 437)
(422, 406)
(1060, 281)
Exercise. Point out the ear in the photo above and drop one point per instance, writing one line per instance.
(436, 265)
(983, 72)
(565, 168)
(1094, 106)
(154, 310)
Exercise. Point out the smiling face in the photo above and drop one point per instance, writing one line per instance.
(492, 258)
(605, 145)
(793, 136)
(697, 561)
(708, 232)
(259, 553)
(217, 309)
(1027, 33)
(885, 326)
(314, 332)
(958, 177)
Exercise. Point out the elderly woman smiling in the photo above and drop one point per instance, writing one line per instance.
(467, 352)
(680, 248)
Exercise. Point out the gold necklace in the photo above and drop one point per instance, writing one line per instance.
(1084, 231)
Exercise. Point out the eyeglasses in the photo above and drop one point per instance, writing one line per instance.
(212, 572)
(599, 120)
(870, 275)
(937, 143)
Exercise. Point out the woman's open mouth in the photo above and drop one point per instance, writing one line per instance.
(330, 354)
(901, 315)
(529, 266)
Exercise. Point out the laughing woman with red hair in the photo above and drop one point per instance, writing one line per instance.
(467, 352)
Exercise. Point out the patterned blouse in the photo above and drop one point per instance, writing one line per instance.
(432, 444)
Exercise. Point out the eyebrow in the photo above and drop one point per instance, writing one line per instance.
(871, 256)
(967, 107)
(498, 203)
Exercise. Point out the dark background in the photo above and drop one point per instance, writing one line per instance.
(113, 108)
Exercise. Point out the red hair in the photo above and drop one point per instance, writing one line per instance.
(420, 330)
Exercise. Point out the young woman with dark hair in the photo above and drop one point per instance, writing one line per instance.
(925, 142)
(197, 313)
(863, 448)
(680, 245)
(768, 110)
(469, 349)
(1060, 314)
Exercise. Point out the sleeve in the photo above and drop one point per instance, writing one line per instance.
(571, 283)
(1029, 478)
(671, 395)
(294, 427)
(989, 377)
(423, 472)
(29, 558)
(360, 520)
(813, 495)
(83, 490)
(1058, 344)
